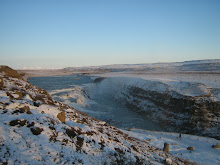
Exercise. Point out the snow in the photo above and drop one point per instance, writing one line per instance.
(101, 143)
(203, 152)
(181, 87)
(91, 142)
(184, 84)
(74, 96)
(51, 110)
(103, 100)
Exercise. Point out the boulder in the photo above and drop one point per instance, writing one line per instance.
(61, 116)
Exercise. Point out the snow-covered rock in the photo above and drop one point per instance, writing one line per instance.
(178, 106)
(31, 133)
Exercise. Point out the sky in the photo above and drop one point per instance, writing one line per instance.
(73, 33)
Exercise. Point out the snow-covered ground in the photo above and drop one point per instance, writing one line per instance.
(35, 129)
(209, 79)
(115, 83)
(189, 85)
(85, 140)
(203, 152)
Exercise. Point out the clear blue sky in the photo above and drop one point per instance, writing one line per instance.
(57, 34)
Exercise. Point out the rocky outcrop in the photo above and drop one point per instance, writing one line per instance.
(198, 115)
(7, 71)
(19, 90)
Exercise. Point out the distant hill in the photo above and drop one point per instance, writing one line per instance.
(197, 65)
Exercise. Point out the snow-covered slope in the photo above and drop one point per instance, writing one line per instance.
(202, 153)
(35, 129)
(179, 106)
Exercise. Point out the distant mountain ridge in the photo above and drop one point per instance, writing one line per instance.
(196, 65)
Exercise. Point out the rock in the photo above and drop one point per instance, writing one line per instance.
(194, 116)
(166, 147)
(17, 122)
(25, 109)
(1, 83)
(99, 79)
(22, 122)
(36, 130)
(61, 116)
(79, 143)
(190, 148)
(30, 124)
(216, 146)
(36, 104)
(7, 71)
(71, 132)
(14, 122)
(9, 95)
(20, 95)
(175, 144)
